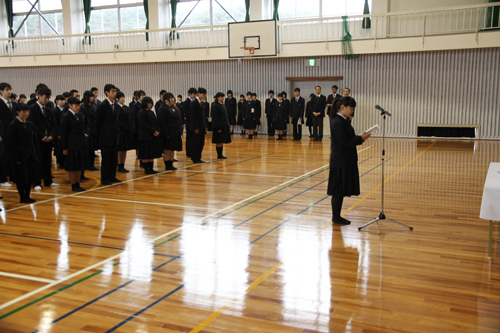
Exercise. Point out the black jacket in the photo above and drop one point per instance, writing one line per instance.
(148, 124)
(330, 100)
(125, 120)
(318, 105)
(72, 131)
(220, 119)
(344, 142)
(22, 141)
(196, 117)
(108, 130)
(170, 120)
(297, 108)
(6, 115)
(230, 104)
(134, 111)
(270, 107)
(43, 120)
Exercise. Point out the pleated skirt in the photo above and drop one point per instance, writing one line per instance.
(343, 182)
(149, 150)
(77, 160)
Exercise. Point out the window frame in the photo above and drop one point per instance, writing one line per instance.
(35, 13)
(118, 6)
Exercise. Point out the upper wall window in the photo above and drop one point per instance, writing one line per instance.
(117, 15)
(192, 13)
(300, 9)
(36, 25)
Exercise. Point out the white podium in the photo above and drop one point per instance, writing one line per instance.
(490, 205)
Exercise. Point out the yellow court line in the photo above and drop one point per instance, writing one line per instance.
(97, 183)
(380, 185)
(234, 300)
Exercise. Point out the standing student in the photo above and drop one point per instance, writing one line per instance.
(22, 98)
(180, 107)
(206, 111)
(7, 114)
(192, 93)
(126, 141)
(160, 101)
(221, 125)
(343, 180)
(88, 108)
(13, 98)
(287, 105)
(23, 149)
(258, 112)
(43, 119)
(279, 116)
(134, 111)
(269, 112)
(95, 93)
(250, 117)
(318, 113)
(297, 113)
(230, 103)
(108, 135)
(134, 100)
(149, 145)
(59, 111)
(73, 143)
(197, 126)
(170, 120)
(241, 114)
(330, 102)
(309, 115)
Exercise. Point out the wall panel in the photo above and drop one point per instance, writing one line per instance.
(438, 87)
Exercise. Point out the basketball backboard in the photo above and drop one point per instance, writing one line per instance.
(254, 39)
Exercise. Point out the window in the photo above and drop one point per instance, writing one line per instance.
(300, 9)
(35, 25)
(200, 15)
(117, 15)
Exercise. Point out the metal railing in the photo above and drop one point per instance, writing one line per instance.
(456, 20)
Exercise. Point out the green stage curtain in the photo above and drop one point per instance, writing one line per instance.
(87, 10)
(247, 8)
(173, 10)
(276, 4)
(146, 11)
(493, 14)
(367, 22)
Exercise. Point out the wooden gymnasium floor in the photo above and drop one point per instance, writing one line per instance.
(246, 245)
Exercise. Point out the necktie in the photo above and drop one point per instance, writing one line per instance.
(9, 104)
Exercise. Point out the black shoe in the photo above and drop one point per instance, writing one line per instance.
(311, 136)
(115, 180)
(150, 172)
(92, 168)
(123, 170)
(27, 200)
(199, 162)
(341, 220)
(221, 157)
(78, 189)
(174, 160)
(83, 178)
(315, 140)
(106, 182)
(320, 140)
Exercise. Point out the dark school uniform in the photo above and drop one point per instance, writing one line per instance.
(108, 136)
(73, 140)
(180, 107)
(125, 122)
(344, 175)
(158, 105)
(197, 122)
(241, 113)
(189, 133)
(170, 120)
(206, 112)
(220, 121)
(297, 112)
(134, 111)
(230, 104)
(149, 146)
(279, 116)
(258, 111)
(332, 111)
(250, 115)
(309, 114)
(269, 111)
(60, 158)
(318, 105)
(7, 114)
(90, 116)
(43, 119)
(287, 104)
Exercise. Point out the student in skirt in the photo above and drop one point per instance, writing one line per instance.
(59, 111)
(249, 118)
(221, 125)
(241, 114)
(309, 115)
(280, 116)
(126, 141)
(89, 109)
(343, 180)
(149, 146)
(23, 149)
(73, 143)
(230, 103)
(258, 112)
(170, 120)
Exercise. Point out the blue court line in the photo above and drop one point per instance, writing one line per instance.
(252, 242)
(104, 295)
(78, 243)
(175, 258)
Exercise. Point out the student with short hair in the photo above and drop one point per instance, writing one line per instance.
(149, 146)
(241, 114)
(332, 111)
(23, 149)
(250, 117)
(73, 143)
(221, 125)
(22, 98)
(230, 103)
(160, 101)
(318, 113)
(59, 111)
(13, 98)
(180, 107)
(279, 117)
(134, 111)
(126, 141)
(197, 125)
(192, 93)
(170, 120)
(287, 105)
(95, 93)
(309, 116)
(297, 113)
(258, 112)
(88, 108)
(108, 135)
(7, 114)
(269, 112)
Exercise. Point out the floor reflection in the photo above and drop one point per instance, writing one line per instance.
(137, 259)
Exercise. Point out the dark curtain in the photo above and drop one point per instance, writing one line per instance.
(276, 4)
(10, 17)
(87, 10)
(247, 8)
(173, 10)
(146, 11)
(367, 22)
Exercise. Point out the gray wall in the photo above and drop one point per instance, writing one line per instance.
(441, 87)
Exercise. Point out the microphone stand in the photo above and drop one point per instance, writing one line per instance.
(382, 214)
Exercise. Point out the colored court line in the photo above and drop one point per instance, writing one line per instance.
(159, 237)
(97, 183)
(26, 277)
(234, 300)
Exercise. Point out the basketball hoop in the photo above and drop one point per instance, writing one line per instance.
(248, 50)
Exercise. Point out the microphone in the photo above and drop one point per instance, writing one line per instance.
(383, 112)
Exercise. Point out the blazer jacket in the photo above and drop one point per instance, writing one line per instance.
(107, 127)
(344, 142)
(298, 108)
(22, 141)
(72, 131)
(196, 117)
(148, 125)
(43, 120)
(170, 120)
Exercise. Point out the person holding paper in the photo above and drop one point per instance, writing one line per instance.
(343, 180)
